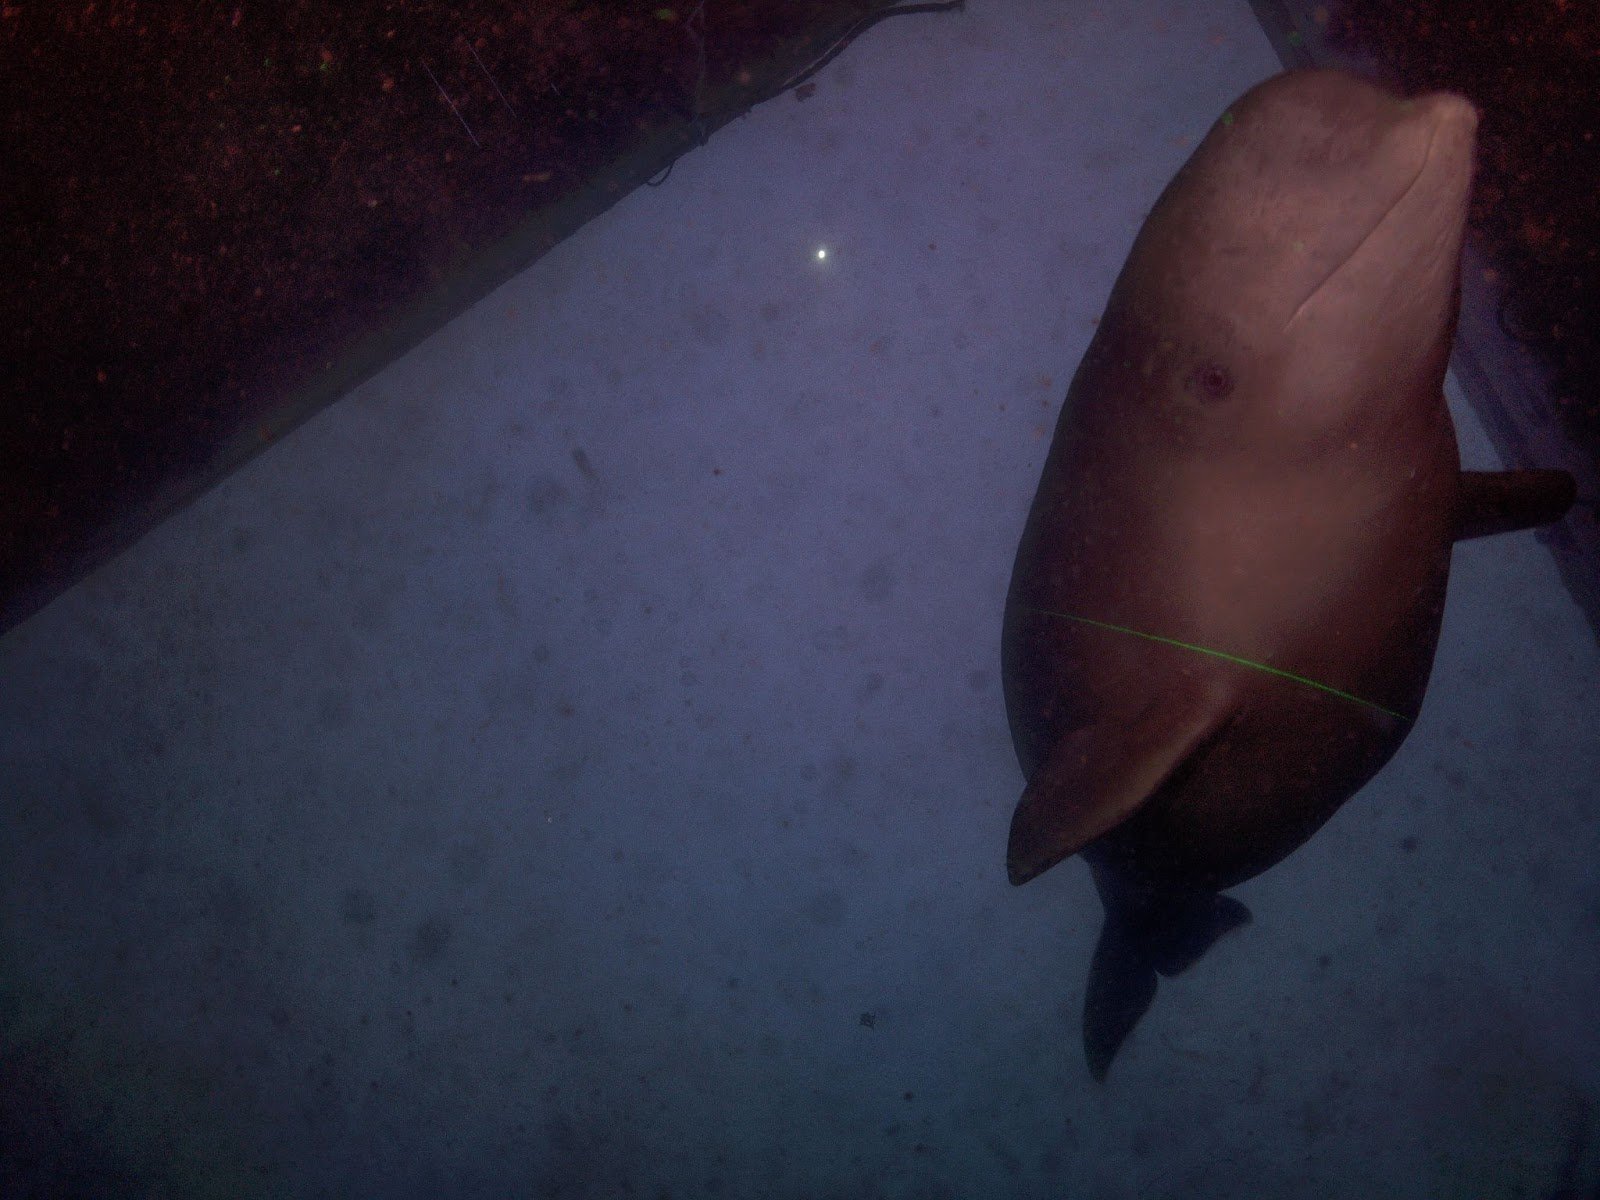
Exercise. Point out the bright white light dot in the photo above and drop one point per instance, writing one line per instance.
(822, 253)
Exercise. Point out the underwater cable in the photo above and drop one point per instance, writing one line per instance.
(1233, 658)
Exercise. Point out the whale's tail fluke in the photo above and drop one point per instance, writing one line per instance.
(1137, 944)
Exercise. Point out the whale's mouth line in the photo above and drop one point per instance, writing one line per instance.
(1427, 157)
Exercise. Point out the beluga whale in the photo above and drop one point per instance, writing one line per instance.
(1227, 595)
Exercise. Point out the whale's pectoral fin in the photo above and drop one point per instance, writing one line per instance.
(1166, 937)
(1096, 777)
(1505, 501)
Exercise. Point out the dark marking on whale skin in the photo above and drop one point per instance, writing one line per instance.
(1227, 595)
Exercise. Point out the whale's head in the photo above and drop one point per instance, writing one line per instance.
(1303, 265)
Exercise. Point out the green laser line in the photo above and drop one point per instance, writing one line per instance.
(1233, 658)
